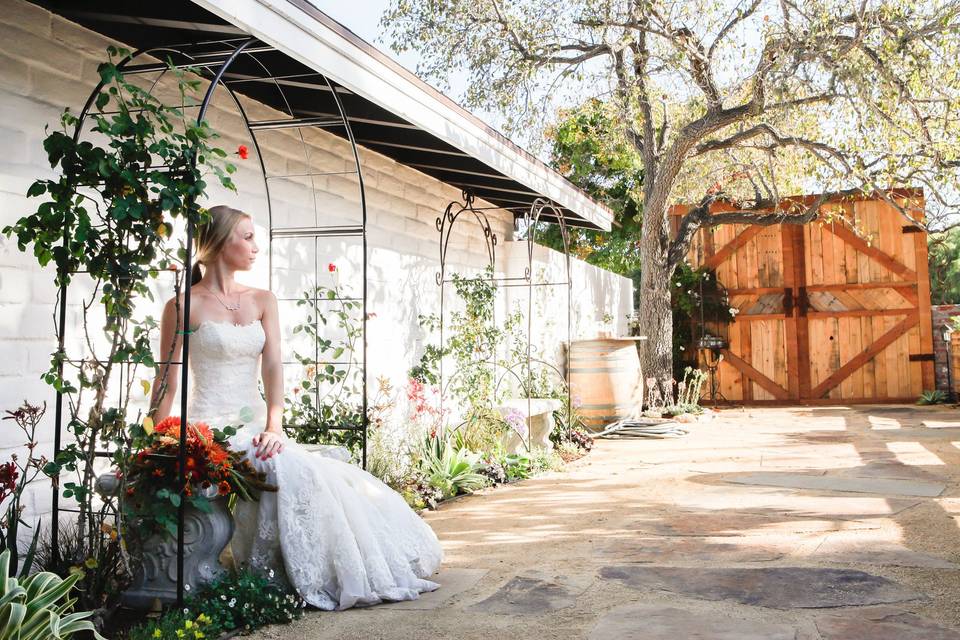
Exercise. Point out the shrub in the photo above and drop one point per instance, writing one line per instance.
(244, 600)
(36, 607)
(449, 469)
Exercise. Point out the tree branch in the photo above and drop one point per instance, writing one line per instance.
(759, 214)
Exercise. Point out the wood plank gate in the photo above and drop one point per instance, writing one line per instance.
(836, 310)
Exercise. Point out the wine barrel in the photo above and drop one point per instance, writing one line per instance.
(605, 380)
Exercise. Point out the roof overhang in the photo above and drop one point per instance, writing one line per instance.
(390, 110)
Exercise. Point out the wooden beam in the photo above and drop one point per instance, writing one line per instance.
(847, 286)
(749, 291)
(728, 249)
(843, 233)
(858, 313)
(866, 355)
(747, 369)
(791, 282)
(922, 303)
(909, 293)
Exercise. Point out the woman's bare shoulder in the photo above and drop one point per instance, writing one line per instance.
(176, 303)
(262, 295)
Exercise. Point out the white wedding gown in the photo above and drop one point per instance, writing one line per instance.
(333, 531)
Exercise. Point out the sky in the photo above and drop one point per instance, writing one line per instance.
(363, 18)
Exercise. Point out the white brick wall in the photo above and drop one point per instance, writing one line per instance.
(47, 63)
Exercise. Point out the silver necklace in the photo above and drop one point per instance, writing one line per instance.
(228, 307)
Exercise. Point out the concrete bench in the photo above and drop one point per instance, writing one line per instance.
(538, 413)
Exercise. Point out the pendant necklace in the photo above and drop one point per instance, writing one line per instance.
(228, 307)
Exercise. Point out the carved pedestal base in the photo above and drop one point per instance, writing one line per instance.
(205, 535)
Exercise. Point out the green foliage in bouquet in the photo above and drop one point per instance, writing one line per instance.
(212, 469)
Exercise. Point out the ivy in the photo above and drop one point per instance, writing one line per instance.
(108, 214)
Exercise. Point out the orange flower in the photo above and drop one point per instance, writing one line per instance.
(168, 426)
(223, 488)
(217, 456)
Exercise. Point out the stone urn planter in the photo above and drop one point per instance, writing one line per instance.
(205, 535)
(538, 413)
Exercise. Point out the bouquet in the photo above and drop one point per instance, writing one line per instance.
(213, 470)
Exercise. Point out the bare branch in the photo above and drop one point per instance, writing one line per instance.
(758, 214)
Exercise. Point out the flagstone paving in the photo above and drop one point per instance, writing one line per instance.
(823, 523)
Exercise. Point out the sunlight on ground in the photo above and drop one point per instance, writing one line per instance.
(914, 453)
(883, 424)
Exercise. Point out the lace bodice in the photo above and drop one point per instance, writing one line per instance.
(224, 372)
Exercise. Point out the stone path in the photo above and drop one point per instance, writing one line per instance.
(763, 524)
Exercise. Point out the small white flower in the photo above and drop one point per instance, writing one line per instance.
(186, 587)
(678, 285)
(270, 573)
(681, 348)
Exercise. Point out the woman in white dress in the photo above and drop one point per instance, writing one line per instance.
(334, 532)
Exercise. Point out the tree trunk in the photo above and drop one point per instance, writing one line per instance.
(656, 322)
(655, 314)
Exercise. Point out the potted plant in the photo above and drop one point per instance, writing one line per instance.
(214, 474)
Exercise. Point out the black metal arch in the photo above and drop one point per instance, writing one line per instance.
(541, 210)
(216, 60)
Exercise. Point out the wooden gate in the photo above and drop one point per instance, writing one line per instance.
(836, 310)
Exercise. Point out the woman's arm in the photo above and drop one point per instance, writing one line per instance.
(270, 442)
(167, 373)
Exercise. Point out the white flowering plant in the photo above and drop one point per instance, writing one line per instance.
(241, 601)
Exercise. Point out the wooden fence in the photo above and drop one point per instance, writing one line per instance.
(835, 310)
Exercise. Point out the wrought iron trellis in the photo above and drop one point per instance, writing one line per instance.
(214, 60)
(532, 218)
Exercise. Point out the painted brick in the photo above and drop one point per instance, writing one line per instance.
(57, 90)
(14, 74)
(40, 51)
(28, 16)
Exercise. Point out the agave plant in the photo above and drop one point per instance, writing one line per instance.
(450, 469)
(932, 397)
(36, 608)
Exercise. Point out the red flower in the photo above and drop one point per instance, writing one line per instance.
(223, 488)
(331, 267)
(243, 152)
(8, 479)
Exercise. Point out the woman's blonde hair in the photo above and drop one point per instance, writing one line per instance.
(213, 234)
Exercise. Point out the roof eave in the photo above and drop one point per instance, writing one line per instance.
(316, 40)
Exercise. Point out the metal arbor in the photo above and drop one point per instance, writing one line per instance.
(540, 210)
(236, 65)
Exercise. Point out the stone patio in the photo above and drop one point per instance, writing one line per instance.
(803, 524)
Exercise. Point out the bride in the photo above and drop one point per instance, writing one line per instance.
(333, 531)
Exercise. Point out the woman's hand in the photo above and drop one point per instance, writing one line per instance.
(269, 443)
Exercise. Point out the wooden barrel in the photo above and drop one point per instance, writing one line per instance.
(605, 380)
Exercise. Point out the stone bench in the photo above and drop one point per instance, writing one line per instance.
(538, 413)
